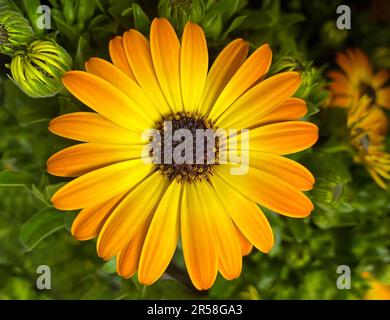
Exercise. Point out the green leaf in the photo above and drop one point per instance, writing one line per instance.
(28, 115)
(110, 266)
(31, 8)
(9, 178)
(63, 28)
(213, 26)
(40, 226)
(141, 20)
(85, 11)
(234, 25)
(39, 195)
(83, 52)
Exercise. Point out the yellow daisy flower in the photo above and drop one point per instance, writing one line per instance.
(357, 79)
(368, 127)
(139, 210)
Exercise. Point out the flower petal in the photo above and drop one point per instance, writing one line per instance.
(92, 127)
(283, 168)
(100, 185)
(107, 100)
(247, 216)
(119, 79)
(127, 260)
(194, 64)
(383, 97)
(228, 245)
(165, 49)
(289, 110)
(267, 190)
(118, 56)
(255, 67)
(344, 62)
(380, 78)
(162, 237)
(83, 158)
(132, 212)
(199, 247)
(246, 246)
(249, 109)
(89, 221)
(140, 59)
(224, 67)
(282, 138)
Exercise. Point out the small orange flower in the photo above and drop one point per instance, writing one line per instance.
(357, 79)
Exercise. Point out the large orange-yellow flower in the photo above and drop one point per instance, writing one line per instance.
(139, 211)
(358, 79)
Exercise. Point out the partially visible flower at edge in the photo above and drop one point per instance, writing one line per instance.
(37, 70)
(377, 290)
(356, 80)
(15, 31)
(368, 126)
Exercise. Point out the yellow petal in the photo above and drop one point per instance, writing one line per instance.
(268, 191)
(289, 110)
(118, 56)
(165, 48)
(249, 109)
(127, 259)
(199, 247)
(341, 101)
(338, 77)
(161, 240)
(383, 97)
(130, 214)
(92, 127)
(246, 246)
(194, 63)
(283, 138)
(345, 64)
(228, 245)
(247, 216)
(283, 168)
(380, 78)
(361, 63)
(100, 185)
(224, 67)
(89, 221)
(119, 79)
(255, 67)
(341, 88)
(140, 59)
(83, 158)
(107, 100)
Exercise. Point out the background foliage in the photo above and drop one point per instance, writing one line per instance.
(350, 224)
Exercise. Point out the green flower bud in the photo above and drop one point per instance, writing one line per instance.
(181, 4)
(298, 256)
(38, 69)
(333, 36)
(331, 191)
(381, 57)
(15, 31)
(179, 12)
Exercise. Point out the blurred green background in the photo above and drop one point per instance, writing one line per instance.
(351, 222)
